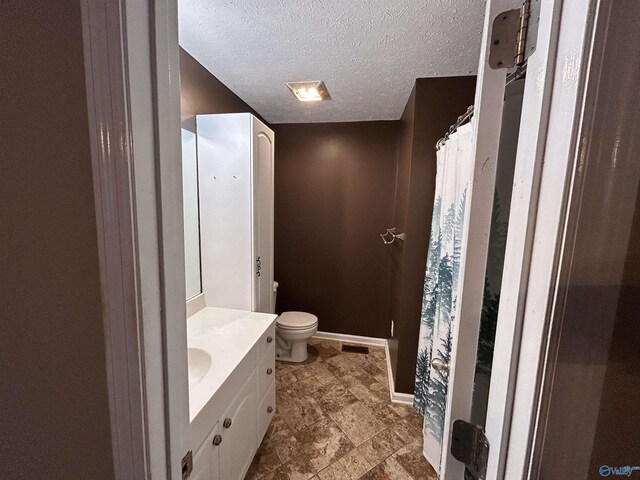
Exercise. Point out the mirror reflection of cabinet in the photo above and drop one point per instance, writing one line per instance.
(191, 216)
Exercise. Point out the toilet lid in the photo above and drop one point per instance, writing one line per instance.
(296, 320)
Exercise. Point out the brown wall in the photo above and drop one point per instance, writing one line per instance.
(53, 386)
(334, 190)
(201, 93)
(434, 105)
(337, 187)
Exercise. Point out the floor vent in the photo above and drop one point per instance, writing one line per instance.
(355, 349)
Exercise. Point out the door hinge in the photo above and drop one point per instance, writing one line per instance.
(187, 465)
(513, 35)
(470, 445)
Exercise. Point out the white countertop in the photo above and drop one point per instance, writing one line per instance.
(227, 336)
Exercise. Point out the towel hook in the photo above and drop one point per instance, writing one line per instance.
(391, 231)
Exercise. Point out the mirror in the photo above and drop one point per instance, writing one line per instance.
(191, 214)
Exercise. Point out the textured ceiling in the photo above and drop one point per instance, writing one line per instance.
(368, 52)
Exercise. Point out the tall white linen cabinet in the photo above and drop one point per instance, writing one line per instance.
(235, 171)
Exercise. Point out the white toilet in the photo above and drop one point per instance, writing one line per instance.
(293, 329)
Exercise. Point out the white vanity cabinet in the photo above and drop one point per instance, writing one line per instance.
(240, 428)
(206, 461)
(235, 171)
(234, 417)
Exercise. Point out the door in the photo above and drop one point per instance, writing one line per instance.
(465, 326)
(239, 432)
(263, 150)
(592, 367)
(573, 298)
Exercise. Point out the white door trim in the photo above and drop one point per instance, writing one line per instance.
(132, 64)
(165, 76)
(111, 157)
(548, 131)
(488, 106)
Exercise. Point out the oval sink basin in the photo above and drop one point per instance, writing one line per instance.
(199, 363)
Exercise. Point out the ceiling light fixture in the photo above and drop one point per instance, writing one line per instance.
(309, 91)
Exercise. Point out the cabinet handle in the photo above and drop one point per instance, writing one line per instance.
(226, 423)
(217, 440)
(269, 339)
(269, 371)
(269, 409)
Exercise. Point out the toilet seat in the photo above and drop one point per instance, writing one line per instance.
(296, 321)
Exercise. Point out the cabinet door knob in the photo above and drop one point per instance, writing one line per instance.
(217, 440)
(269, 409)
(269, 371)
(269, 339)
(226, 423)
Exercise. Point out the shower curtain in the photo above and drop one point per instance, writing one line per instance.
(444, 261)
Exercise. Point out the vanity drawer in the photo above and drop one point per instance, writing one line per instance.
(266, 372)
(266, 411)
(267, 341)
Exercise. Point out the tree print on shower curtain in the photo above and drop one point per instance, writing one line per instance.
(438, 308)
(442, 276)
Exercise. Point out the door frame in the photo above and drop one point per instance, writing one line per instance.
(487, 116)
(132, 69)
(546, 152)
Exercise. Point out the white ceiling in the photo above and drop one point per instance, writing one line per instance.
(368, 52)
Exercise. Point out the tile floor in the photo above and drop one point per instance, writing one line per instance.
(334, 421)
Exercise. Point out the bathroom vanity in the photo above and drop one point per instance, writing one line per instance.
(228, 222)
(232, 394)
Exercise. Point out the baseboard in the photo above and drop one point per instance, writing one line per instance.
(396, 397)
(343, 337)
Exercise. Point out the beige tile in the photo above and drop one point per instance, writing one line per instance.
(371, 368)
(302, 442)
(325, 378)
(387, 416)
(335, 471)
(355, 464)
(277, 430)
(299, 468)
(334, 396)
(364, 378)
(324, 443)
(288, 449)
(388, 470)
(401, 409)
(366, 396)
(411, 459)
(381, 446)
(278, 474)
(284, 377)
(327, 351)
(266, 461)
(304, 386)
(415, 419)
(303, 373)
(406, 431)
(357, 422)
(381, 391)
(301, 412)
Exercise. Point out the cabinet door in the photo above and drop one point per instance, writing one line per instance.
(206, 461)
(238, 430)
(263, 216)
